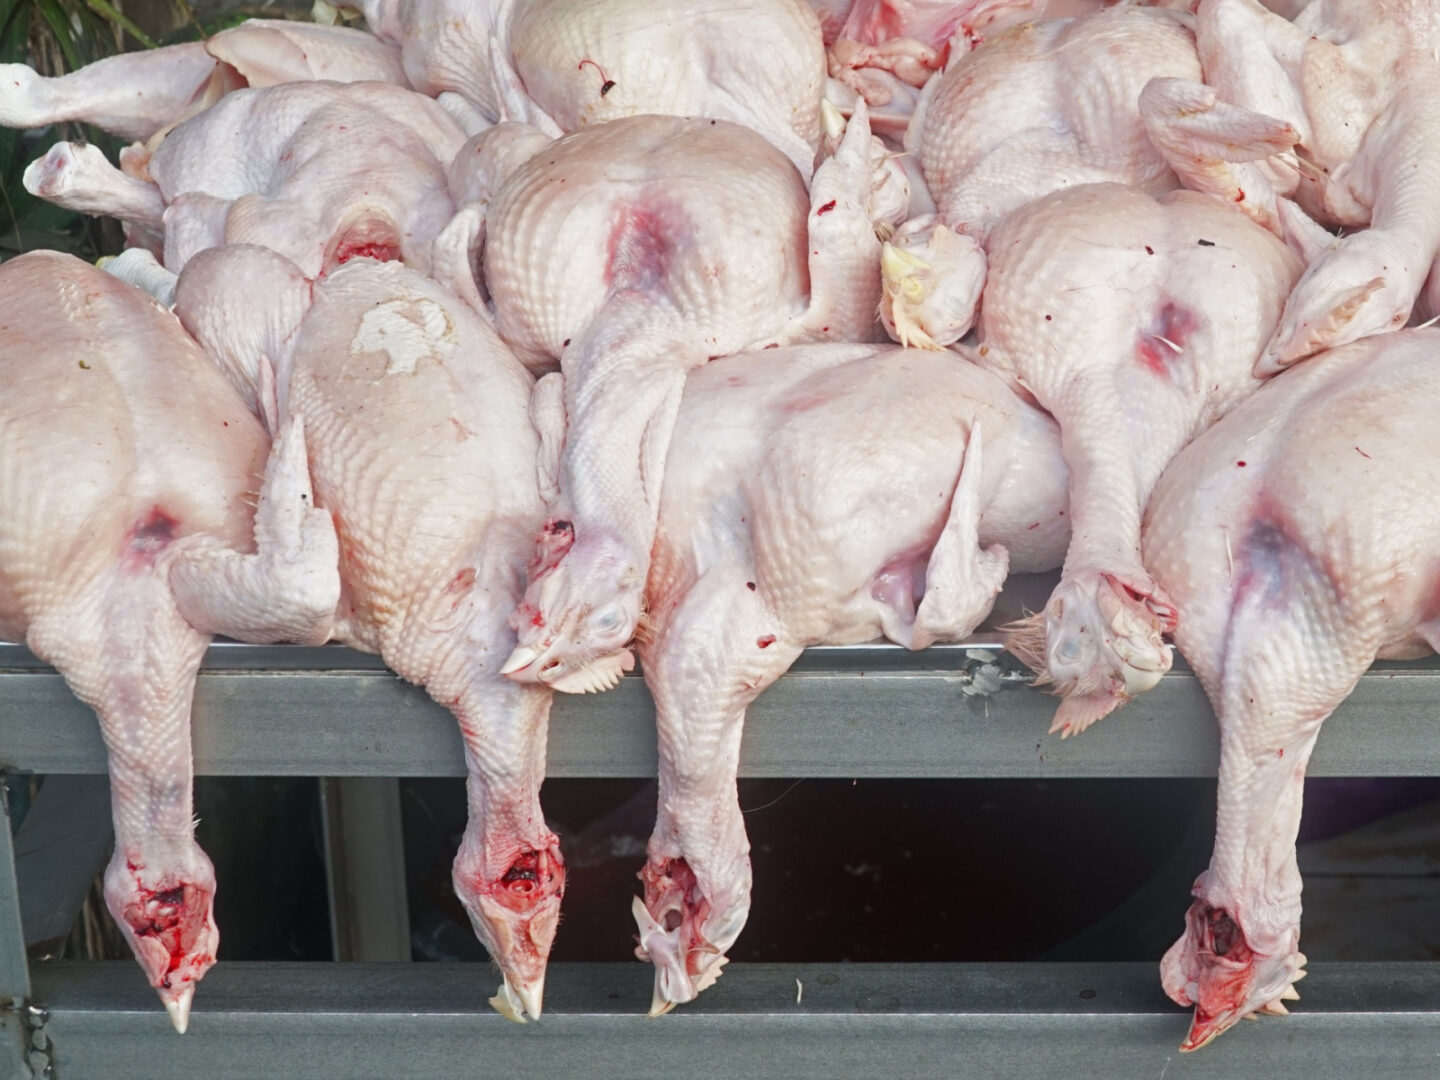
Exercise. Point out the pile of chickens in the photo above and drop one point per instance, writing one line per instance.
(505, 338)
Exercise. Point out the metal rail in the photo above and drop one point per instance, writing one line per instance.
(761, 1020)
(871, 710)
(859, 711)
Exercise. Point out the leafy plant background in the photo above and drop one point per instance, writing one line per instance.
(58, 36)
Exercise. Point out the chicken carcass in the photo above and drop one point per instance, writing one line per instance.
(816, 494)
(126, 466)
(633, 252)
(561, 65)
(421, 446)
(886, 50)
(1136, 322)
(1354, 81)
(1043, 106)
(141, 95)
(318, 171)
(1297, 537)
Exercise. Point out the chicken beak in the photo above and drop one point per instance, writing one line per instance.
(514, 1004)
(520, 659)
(658, 1005)
(1204, 1029)
(532, 997)
(179, 1008)
(832, 120)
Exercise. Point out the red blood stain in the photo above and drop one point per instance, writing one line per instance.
(1239, 194)
(554, 541)
(533, 875)
(826, 208)
(1239, 464)
(766, 641)
(1032, 527)
(462, 581)
(174, 916)
(346, 250)
(672, 883)
(1158, 347)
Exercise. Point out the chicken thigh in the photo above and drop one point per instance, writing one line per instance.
(633, 252)
(127, 466)
(563, 64)
(421, 446)
(816, 494)
(1043, 106)
(318, 171)
(141, 95)
(1297, 537)
(1136, 322)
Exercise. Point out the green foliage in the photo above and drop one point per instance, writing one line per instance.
(56, 36)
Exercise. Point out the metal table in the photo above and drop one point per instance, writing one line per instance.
(861, 711)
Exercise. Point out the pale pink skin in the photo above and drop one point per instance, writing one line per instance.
(318, 171)
(1292, 574)
(130, 538)
(436, 519)
(813, 495)
(884, 50)
(1038, 108)
(142, 94)
(633, 252)
(1355, 81)
(562, 66)
(1132, 374)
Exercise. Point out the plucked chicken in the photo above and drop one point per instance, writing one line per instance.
(420, 445)
(816, 494)
(1354, 81)
(128, 538)
(560, 65)
(1298, 539)
(318, 171)
(633, 252)
(1043, 106)
(886, 50)
(1136, 322)
(141, 95)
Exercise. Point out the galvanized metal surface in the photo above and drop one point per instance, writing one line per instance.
(857, 1020)
(365, 867)
(14, 970)
(62, 844)
(871, 710)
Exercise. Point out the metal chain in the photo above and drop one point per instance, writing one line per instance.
(38, 1049)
